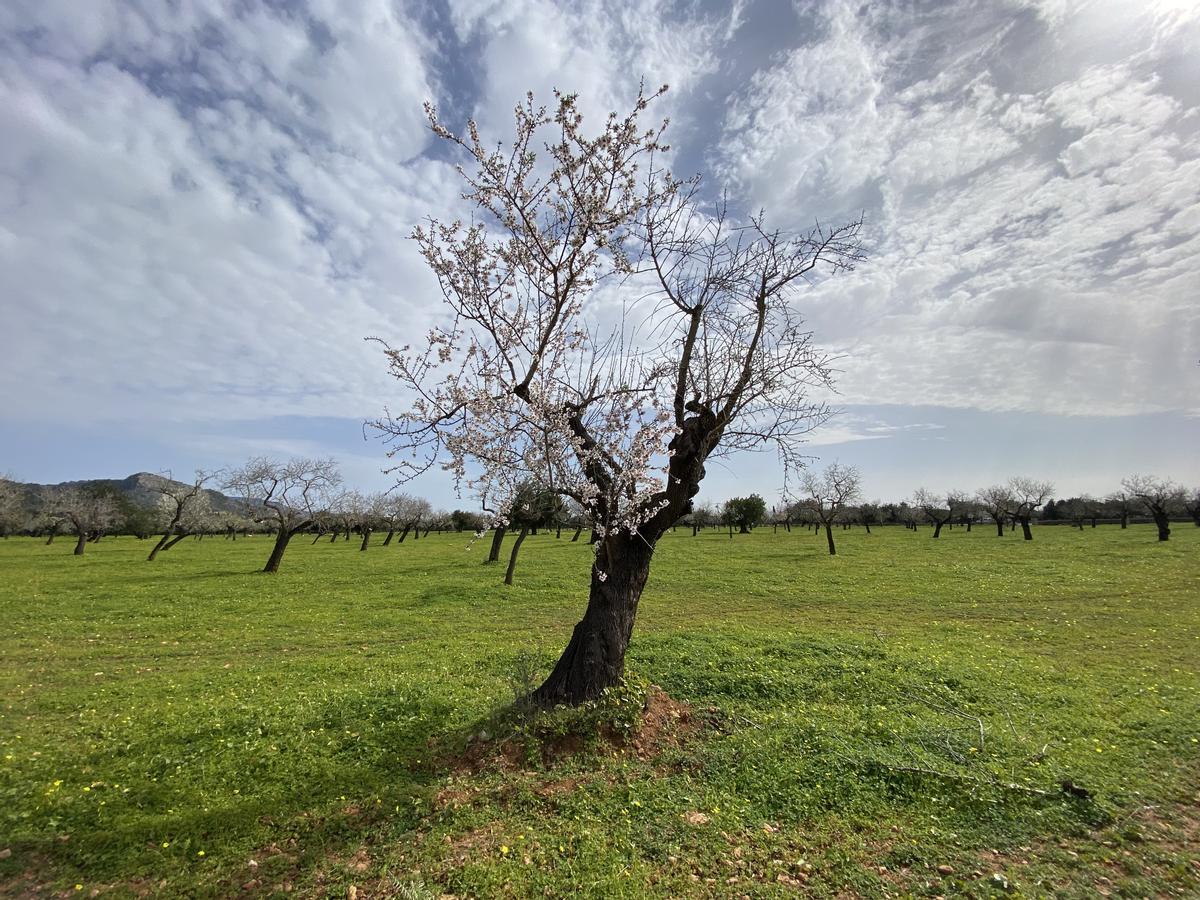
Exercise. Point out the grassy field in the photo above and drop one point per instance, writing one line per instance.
(900, 719)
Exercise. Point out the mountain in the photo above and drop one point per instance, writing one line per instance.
(138, 490)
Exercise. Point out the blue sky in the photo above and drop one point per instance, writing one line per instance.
(205, 208)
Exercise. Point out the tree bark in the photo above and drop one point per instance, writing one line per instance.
(497, 540)
(578, 532)
(595, 656)
(334, 537)
(937, 529)
(391, 533)
(867, 525)
(281, 542)
(1164, 525)
(366, 533)
(1025, 529)
(161, 543)
(999, 528)
(175, 540)
(512, 559)
(81, 543)
(829, 538)
(50, 539)
(403, 534)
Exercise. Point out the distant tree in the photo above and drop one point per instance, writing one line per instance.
(184, 508)
(827, 495)
(937, 508)
(1121, 502)
(745, 512)
(12, 506)
(374, 515)
(869, 514)
(85, 512)
(461, 520)
(286, 495)
(1159, 496)
(703, 515)
(533, 507)
(1192, 505)
(996, 502)
(1025, 496)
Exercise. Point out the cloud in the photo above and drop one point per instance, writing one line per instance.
(1029, 246)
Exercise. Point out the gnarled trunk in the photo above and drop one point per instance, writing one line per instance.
(578, 532)
(595, 656)
(829, 538)
(1164, 525)
(999, 528)
(81, 543)
(366, 533)
(391, 534)
(937, 529)
(175, 540)
(1025, 529)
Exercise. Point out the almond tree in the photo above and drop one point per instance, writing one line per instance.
(996, 501)
(1025, 496)
(286, 496)
(86, 513)
(1192, 504)
(183, 506)
(828, 495)
(939, 510)
(606, 337)
(1159, 496)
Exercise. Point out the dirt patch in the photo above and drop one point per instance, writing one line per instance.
(665, 723)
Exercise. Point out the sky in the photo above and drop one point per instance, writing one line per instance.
(205, 207)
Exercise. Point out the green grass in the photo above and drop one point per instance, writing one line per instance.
(163, 724)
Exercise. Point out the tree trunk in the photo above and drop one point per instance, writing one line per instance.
(50, 539)
(595, 656)
(403, 534)
(578, 532)
(1125, 520)
(742, 529)
(366, 532)
(1164, 526)
(497, 540)
(968, 526)
(391, 533)
(81, 543)
(1025, 530)
(829, 538)
(867, 525)
(175, 540)
(281, 542)
(512, 559)
(161, 543)
(334, 536)
(937, 529)
(558, 532)
(999, 528)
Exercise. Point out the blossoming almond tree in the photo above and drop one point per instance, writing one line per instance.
(605, 337)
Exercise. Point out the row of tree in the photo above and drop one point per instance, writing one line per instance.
(832, 497)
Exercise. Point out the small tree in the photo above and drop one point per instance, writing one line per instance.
(1159, 496)
(745, 512)
(707, 358)
(996, 502)
(285, 495)
(1025, 495)
(86, 513)
(939, 510)
(533, 507)
(829, 494)
(183, 507)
